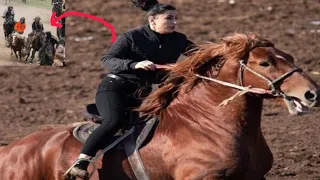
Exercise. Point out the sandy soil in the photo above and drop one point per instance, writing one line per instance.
(32, 97)
(29, 12)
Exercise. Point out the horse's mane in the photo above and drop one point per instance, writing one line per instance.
(205, 60)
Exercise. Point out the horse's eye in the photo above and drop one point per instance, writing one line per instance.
(264, 63)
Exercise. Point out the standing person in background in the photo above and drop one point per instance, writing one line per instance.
(47, 51)
(60, 56)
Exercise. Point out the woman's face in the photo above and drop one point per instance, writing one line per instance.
(164, 23)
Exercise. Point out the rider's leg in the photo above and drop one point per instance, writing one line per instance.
(112, 104)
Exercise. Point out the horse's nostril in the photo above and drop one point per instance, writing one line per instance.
(310, 95)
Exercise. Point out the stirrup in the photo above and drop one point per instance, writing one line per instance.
(90, 160)
(76, 172)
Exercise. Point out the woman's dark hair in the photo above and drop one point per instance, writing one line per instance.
(153, 7)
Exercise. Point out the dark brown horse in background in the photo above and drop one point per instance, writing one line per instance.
(207, 129)
(34, 41)
(8, 27)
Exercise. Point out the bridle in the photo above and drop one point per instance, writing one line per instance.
(276, 92)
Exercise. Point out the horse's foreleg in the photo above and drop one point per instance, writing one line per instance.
(5, 34)
(27, 57)
(32, 55)
(15, 52)
(20, 55)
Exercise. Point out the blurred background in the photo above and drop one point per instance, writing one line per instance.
(36, 97)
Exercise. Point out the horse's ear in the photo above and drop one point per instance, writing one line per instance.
(227, 40)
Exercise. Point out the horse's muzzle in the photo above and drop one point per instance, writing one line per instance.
(313, 97)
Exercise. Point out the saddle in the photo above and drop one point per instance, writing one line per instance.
(131, 138)
(143, 128)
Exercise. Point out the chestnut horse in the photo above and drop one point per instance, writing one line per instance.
(17, 43)
(207, 129)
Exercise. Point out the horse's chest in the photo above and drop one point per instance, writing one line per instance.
(254, 159)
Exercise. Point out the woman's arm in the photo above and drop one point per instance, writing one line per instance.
(189, 48)
(116, 57)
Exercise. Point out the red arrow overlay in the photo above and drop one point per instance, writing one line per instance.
(54, 21)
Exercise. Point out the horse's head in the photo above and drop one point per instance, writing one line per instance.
(261, 65)
(27, 45)
(245, 62)
(18, 41)
(14, 40)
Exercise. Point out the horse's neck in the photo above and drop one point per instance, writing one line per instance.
(199, 107)
(36, 41)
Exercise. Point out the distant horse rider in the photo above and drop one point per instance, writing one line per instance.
(57, 6)
(7, 14)
(37, 29)
(20, 26)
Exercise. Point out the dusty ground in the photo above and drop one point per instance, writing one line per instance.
(32, 97)
(29, 12)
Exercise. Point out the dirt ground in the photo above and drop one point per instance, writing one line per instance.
(33, 97)
(29, 12)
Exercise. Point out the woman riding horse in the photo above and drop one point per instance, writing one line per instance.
(131, 62)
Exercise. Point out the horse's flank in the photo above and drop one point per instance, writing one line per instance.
(36, 155)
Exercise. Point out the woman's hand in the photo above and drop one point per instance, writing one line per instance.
(146, 65)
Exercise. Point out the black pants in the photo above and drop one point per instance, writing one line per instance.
(114, 99)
